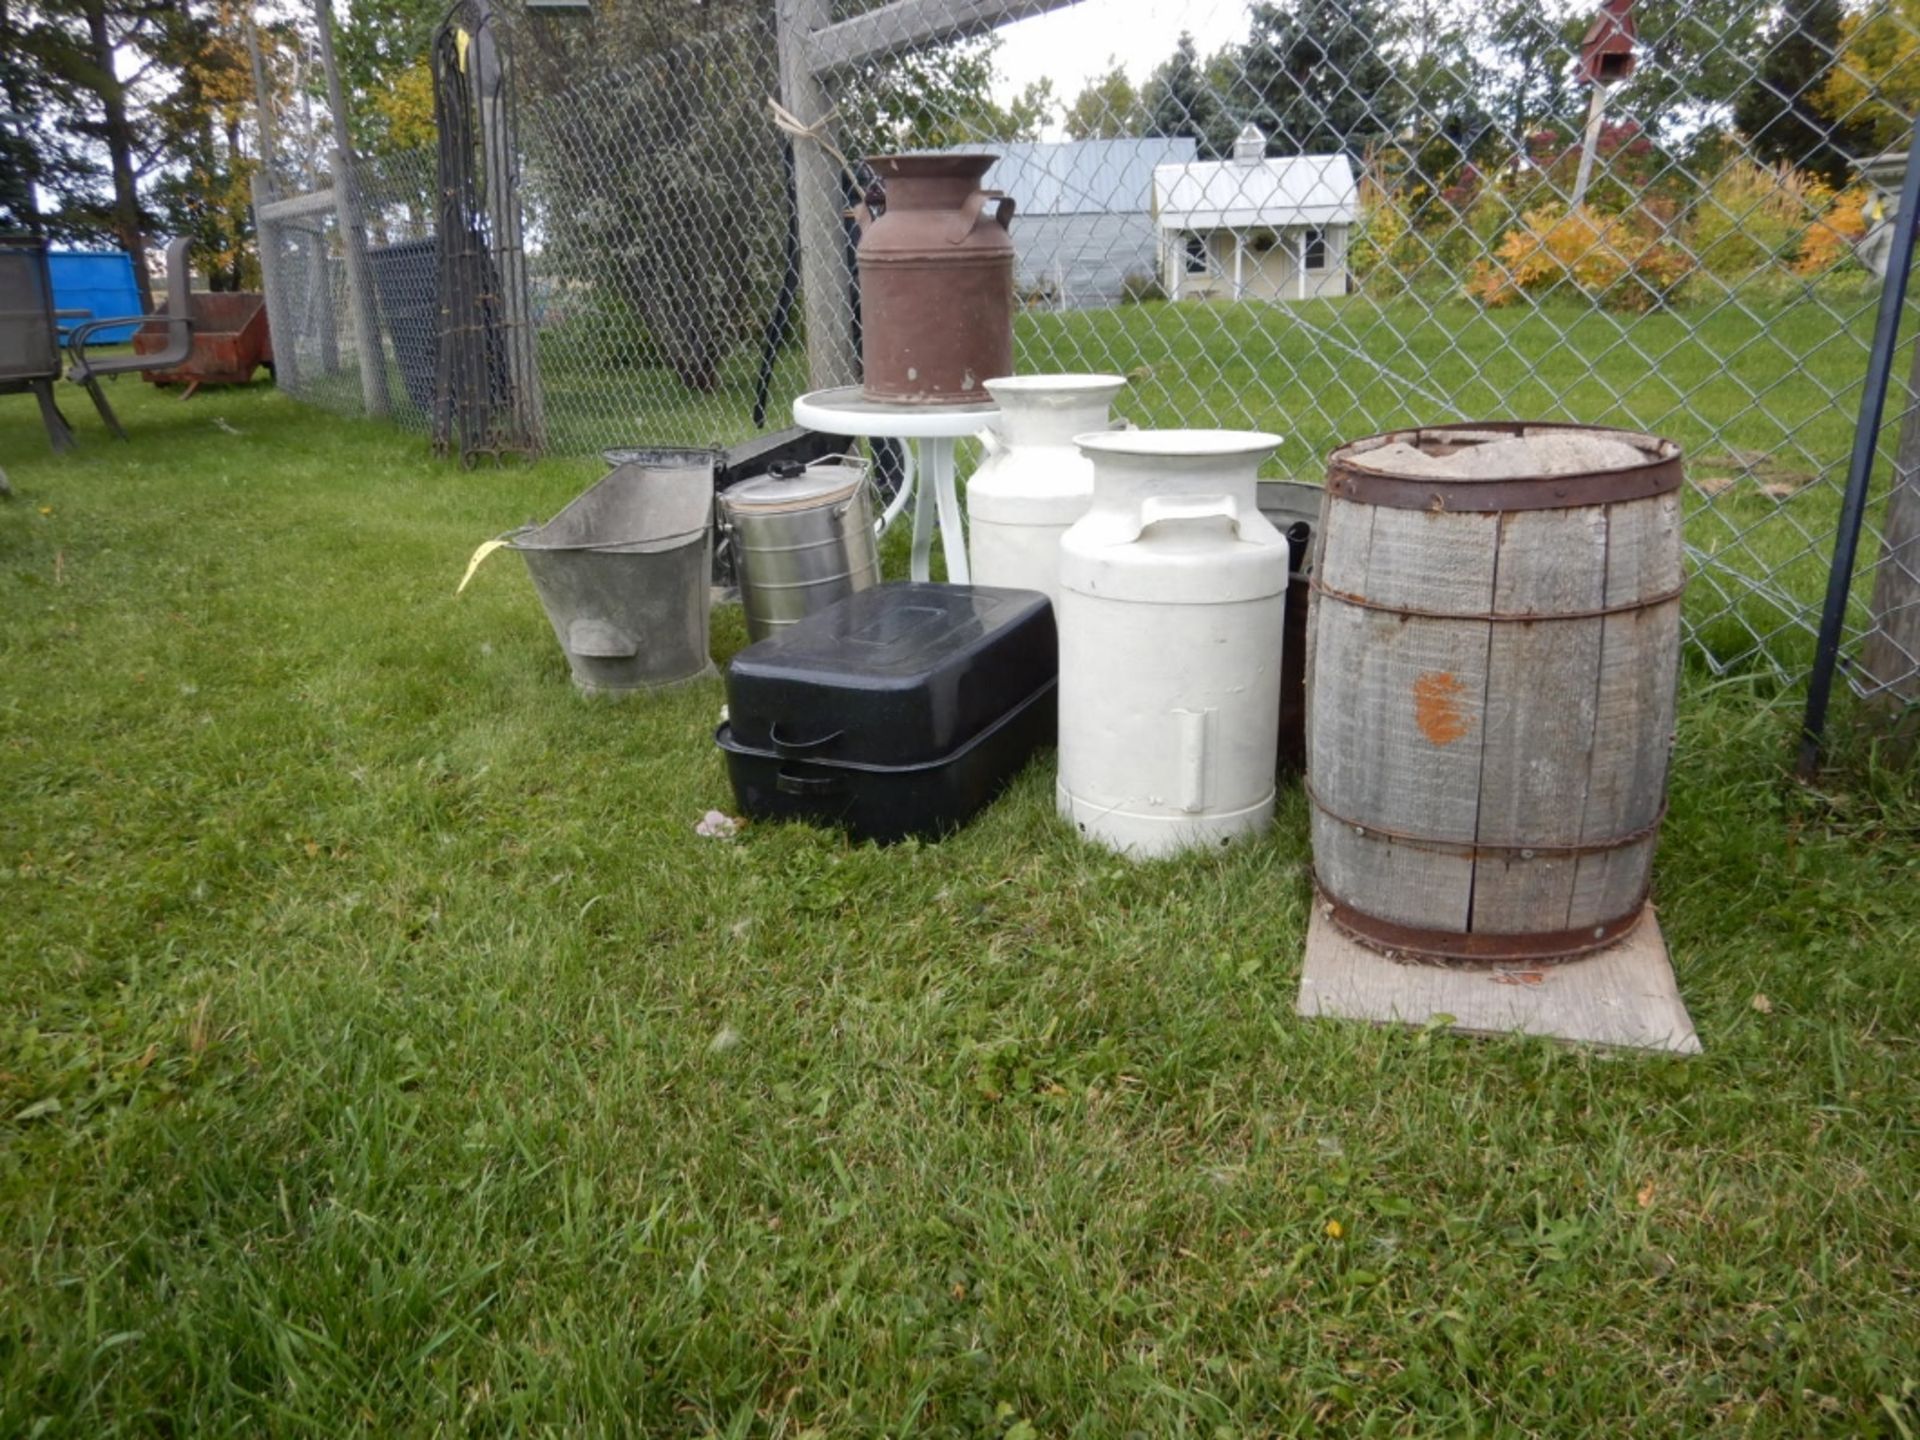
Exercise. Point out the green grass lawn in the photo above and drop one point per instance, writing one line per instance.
(382, 1053)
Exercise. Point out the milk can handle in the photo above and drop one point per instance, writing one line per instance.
(1158, 510)
(970, 212)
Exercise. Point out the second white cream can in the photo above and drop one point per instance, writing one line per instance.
(1034, 482)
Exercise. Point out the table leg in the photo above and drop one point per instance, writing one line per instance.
(953, 534)
(923, 506)
(897, 506)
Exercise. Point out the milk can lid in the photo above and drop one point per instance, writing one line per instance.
(789, 485)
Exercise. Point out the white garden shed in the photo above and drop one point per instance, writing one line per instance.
(1255, 227)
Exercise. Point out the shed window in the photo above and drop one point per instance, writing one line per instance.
(1315, 248)
(1196, 255)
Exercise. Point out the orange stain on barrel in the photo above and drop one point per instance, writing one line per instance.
(1436, 706)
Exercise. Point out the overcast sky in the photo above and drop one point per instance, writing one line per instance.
(1073, 45)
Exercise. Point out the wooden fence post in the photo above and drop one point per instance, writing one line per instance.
(273, 281)
(1890, 658)
(824, 278)
(353, 233)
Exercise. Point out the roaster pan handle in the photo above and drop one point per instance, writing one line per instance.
(787, 783)
(800, 747)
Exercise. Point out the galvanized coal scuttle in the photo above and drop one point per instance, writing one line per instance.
(622, 572)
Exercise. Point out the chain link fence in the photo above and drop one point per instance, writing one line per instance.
(1323, 218)
(311, 297)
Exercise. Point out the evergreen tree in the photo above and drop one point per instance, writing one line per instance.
(1181, 102)
(1777, 111)
(1317, 76)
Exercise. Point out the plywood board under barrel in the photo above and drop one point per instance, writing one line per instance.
(1623, 996)
(1540, 717)
(1395, 714)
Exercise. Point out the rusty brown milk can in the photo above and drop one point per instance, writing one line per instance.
(936, 282)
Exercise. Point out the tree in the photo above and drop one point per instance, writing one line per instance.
(203, 188)
(939, 96)
(382, 51)
(1440, 84)
(1317, 77)
(1108, 108)
(1528, 83)
(90, 60)
(655, 176)
(654, 180)
(1778, 113)
(36, 151)
(137, 119)
(1696, 57)
(1180, 100)
(1875, 84)
(1026, 118)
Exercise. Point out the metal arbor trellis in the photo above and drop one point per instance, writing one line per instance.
(486, 392)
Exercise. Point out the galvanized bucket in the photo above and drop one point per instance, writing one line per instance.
(622, 572)
(802, 537)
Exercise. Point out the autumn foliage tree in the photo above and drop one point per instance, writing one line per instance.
(1107, 108)
(204, 186)
(1876, 81)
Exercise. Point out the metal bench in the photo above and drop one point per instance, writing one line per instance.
(29, 332)
(86, 370)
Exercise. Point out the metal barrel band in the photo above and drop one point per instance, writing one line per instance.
(1477, 946)
(1474, 849)
(1361, 602)
(1349, 478)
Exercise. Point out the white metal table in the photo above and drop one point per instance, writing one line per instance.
(936, 429)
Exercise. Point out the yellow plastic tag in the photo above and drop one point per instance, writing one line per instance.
(474, 564)
(460, 42)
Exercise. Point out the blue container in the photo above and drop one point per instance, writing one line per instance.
(99, 281)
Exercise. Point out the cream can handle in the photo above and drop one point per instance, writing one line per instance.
(971, 209)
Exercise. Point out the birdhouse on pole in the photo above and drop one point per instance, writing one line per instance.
(1606, 52)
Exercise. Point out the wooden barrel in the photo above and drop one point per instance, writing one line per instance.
(1491, 681)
